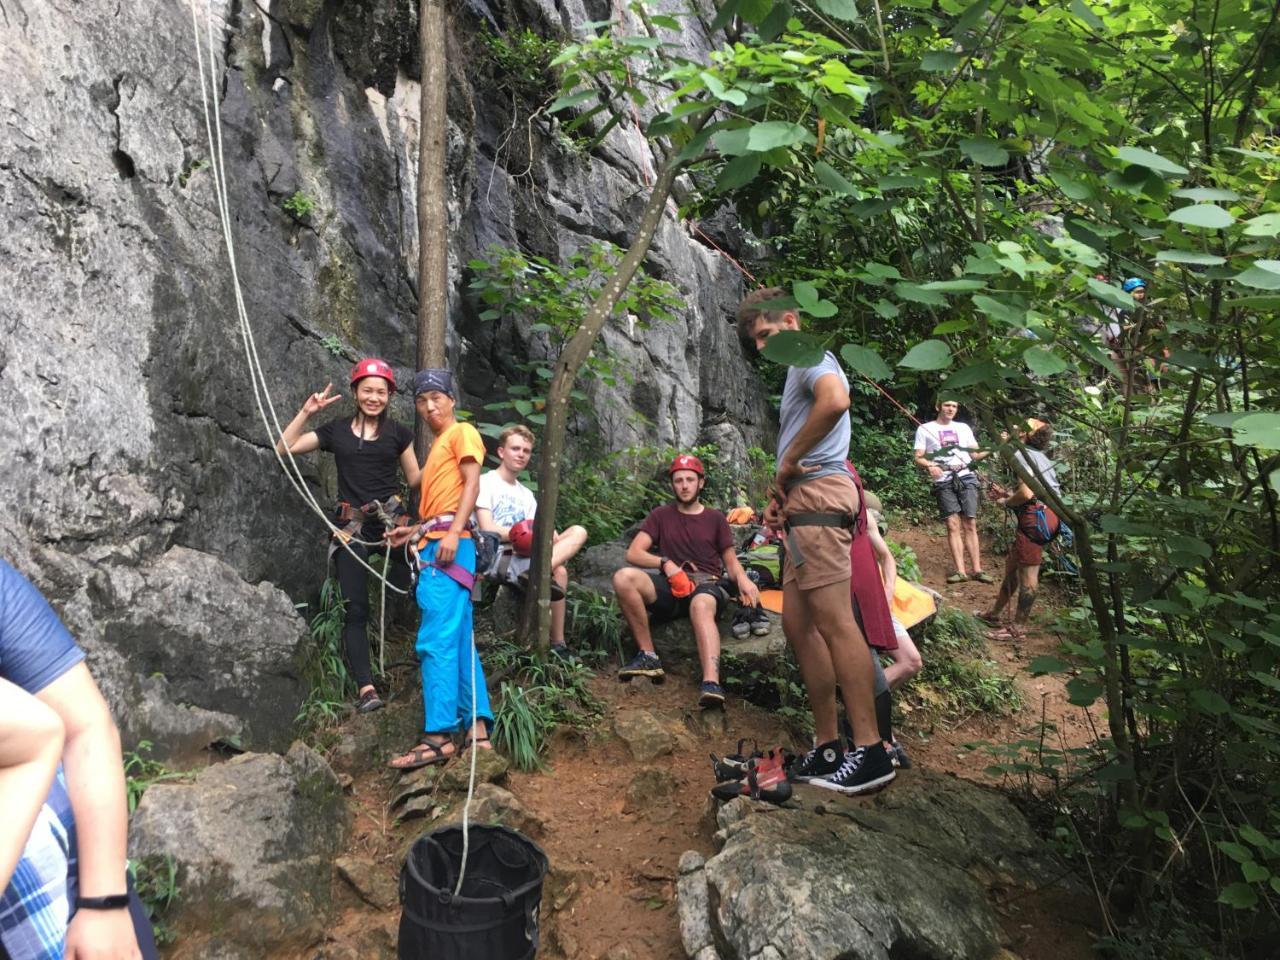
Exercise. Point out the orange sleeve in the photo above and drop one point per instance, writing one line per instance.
(467, 444)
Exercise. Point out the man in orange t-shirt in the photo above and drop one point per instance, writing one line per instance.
(451, 668)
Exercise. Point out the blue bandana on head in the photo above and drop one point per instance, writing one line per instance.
(430, 379)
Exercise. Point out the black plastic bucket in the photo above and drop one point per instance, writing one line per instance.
(495, 916)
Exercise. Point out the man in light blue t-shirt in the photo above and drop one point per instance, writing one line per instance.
(816, 501)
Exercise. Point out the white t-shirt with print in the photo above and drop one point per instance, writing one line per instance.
(508, 502)
(933, 436)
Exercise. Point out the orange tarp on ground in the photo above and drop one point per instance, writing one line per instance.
(911, 604)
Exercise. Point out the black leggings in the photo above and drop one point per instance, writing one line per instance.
(353, 583)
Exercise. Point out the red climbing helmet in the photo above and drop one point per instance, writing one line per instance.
(687, 461)
(373, 367)
(521, 537)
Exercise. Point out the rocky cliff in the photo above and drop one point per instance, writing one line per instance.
(143, 496)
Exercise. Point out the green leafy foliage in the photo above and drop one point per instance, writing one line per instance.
(329, 686)
(298, 205)
(156, 880)
(141, 771)
(538, 697)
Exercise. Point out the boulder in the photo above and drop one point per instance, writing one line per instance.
(253, 840)
(649, 790)
(644, 734)
(903, 874)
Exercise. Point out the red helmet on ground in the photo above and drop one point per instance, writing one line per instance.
(687, 461)
(521, 537)
(373, 367)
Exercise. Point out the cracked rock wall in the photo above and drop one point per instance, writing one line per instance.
(143, 496)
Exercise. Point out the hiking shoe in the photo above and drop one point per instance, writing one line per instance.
(956, 577)
(823, 760)
(369, 701)
(710, 694)
(642, 665)
(741, 625)
(760, 624)
(982, 577)
(864, 770)
(900, 758)
(561, 652)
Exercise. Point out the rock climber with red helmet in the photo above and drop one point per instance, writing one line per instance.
(682, 563)
(367, 448)
(505, 506)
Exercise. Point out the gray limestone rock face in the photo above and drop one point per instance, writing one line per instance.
(133, 426)
(254, 841)
(643, 733)
(903, 874)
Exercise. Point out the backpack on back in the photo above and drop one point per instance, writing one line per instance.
(1038, 522)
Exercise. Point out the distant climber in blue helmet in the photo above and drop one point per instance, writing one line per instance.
(1135, 286)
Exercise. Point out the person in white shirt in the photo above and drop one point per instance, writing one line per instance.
(944, 447)
(504, 502)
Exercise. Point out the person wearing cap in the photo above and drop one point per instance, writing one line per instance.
(454, 695)
(816, 502)
(682, 564)
(367, 448)
(1022, 566)
(1139, 368)
(507, 507)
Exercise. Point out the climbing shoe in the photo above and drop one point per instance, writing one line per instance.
(760, 624)
(643, 665)
(982, 577)
(821, 761)
(764, 780)
(741, 625)
(864, 770)
(369, 701)
(733, 766)
(710, 694)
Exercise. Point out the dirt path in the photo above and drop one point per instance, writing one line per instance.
(614, 860)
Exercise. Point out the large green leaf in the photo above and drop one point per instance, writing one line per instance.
(954, 286)
(986, 152)
(831, 178)
(738, 172)
(927, 355)
(1203, 194)
(1264, 274)
(1267, 225)
(1190, 256)
(1207, 215)
(1239, 895)
(1110, 294)
(1000, 310)
(918, 294)
(1152, 161)
(866, 362)
(1081, 10)
(721, 92)
(1043, 362)
(840, 9)
(754, 11)
(732, 142)
(940, 61)
(775, 133)
(791, 348)
(1257, 430)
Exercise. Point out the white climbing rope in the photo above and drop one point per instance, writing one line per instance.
(261, 392)
(471, 779)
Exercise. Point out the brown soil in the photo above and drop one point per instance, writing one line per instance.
(622, 862)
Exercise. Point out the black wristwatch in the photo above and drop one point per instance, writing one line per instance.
(117, 901)
(662, 562)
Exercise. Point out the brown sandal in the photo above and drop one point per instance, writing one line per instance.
(423, 755)
(467, 741)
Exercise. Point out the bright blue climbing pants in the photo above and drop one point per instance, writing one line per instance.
(445, 650)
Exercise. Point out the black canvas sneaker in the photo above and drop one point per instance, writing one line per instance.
(642, 665)
(821, 761)
(864, 770)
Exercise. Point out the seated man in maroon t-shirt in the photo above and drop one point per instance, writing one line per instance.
(688, 567)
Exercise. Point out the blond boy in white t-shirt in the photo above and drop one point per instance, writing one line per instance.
(504, 501)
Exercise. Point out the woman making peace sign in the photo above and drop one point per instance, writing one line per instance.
(367, 449)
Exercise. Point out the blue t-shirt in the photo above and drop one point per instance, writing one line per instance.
(829, 453)
(35, 648)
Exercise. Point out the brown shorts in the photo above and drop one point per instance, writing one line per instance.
(825, 549)
(1024, 552)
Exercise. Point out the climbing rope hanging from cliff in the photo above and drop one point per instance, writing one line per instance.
(261, 393)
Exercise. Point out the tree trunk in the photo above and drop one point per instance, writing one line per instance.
(433, 218)
(537, 609)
